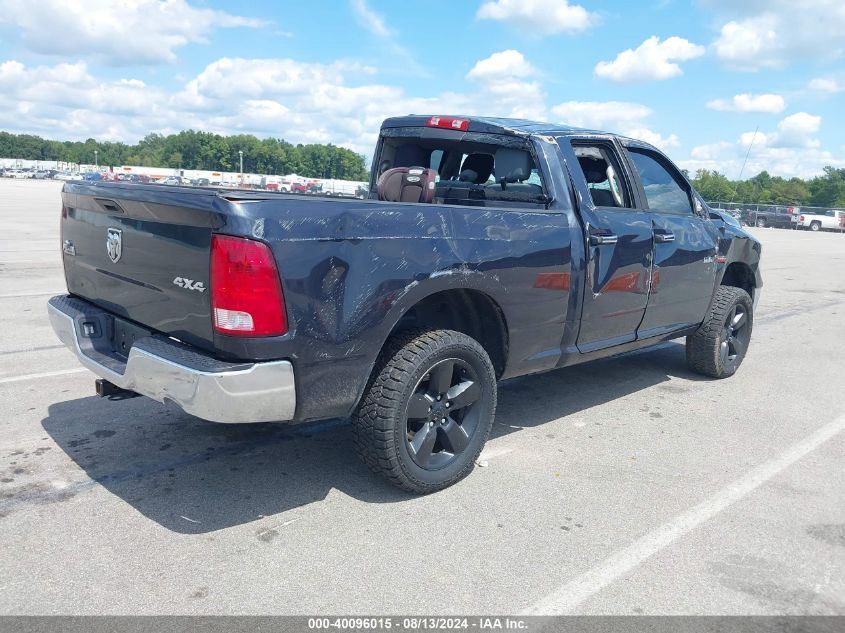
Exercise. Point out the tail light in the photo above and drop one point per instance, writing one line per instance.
(246, 294)
(801, 219)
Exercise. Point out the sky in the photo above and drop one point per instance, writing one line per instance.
(704, 80)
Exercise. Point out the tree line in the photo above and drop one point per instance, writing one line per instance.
(826, 190)
(196, 150)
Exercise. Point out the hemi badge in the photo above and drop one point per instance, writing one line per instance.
(721, 259)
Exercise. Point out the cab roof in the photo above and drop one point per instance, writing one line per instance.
(490, 125)
(507, 126)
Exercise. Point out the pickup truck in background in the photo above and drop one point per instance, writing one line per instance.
(772, 216)
(487, 249)
(822, 220)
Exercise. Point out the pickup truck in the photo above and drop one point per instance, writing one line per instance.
(487, 249)
(828, 220)
(772, 216)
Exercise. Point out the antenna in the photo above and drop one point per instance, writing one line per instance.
(750, 145)
(742, 169)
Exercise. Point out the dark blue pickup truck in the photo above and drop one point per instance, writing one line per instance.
(488, 249)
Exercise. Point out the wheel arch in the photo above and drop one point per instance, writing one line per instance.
(468, 310)
(739, 274)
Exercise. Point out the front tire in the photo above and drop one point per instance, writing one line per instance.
(761, 223)
(427, 411)
(718, 347)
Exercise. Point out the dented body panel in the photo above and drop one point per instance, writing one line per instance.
(351, 269)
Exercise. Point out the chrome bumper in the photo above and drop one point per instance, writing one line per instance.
(252, 392)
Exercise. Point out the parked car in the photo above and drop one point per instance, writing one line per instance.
(18, 174)
(822, 220)
(92, 176)
(172, 180)
(64, 175)
(40, 175)
(488, 249)
(202, 182)
(773, 216)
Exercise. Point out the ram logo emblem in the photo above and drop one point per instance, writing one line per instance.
(114, 244)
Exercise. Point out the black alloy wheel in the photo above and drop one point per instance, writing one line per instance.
(735, 336)
(443, 414)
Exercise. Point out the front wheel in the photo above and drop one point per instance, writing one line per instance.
(427, 410)
(718, 347)
(761, 223)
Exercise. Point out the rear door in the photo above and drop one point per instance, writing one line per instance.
(685, 246)
(618, 241)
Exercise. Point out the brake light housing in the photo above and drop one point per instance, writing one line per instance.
(246, 291)
(449, 123)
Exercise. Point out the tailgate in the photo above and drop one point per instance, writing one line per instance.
(144, 260)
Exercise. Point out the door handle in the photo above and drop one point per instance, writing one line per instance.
(662, 238)
(598, 240)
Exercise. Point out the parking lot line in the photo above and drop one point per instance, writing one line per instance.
(45, 374)
(575, 592)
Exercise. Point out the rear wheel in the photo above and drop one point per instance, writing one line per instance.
(815, 226)
(719, 346)
(428, 409)
(761, 222)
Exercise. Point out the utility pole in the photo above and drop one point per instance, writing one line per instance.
(96, 160)
(241, 156)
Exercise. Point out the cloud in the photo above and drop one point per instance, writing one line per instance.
(387, 38)
(621, 117)
(504, 80)
(790, 150)
(539, 17)
(745, 102)
(777, 33)
(131, 32)
(369, 19)
(340, 102)
(824, 84)
(651, 60)
(794, 131)
(509, 63)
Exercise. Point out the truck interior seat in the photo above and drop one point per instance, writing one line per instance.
(512, 168)
(595, 172)
(407, 184)
(476, 168)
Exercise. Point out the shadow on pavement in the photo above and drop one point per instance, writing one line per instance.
(194, 477)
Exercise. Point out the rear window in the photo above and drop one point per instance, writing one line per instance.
(467, 169)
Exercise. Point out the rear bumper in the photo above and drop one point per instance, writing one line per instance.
(168, 371)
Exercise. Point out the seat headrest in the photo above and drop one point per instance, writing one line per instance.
(512, 165)
(481, 164)
(410, 155)
(595, 169)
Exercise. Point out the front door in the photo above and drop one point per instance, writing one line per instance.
(685, 246)
(619, 244)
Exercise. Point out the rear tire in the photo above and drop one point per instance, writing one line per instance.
(427, 410)
(761, 223)
(815, 226)
(719, 346)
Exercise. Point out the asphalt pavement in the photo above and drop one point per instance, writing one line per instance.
(629, 485)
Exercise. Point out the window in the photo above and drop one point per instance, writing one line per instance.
(474, 170)
(601, 171)
(664, 192)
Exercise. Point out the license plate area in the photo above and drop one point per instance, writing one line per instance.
(124, 335)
